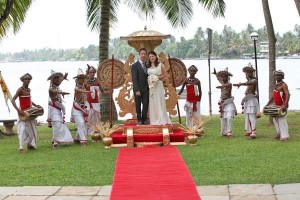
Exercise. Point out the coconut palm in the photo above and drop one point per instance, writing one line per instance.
(272, 44)
(102, 14)
(297, 2)
(12, 15)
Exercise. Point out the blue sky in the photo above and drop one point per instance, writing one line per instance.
(62, 23)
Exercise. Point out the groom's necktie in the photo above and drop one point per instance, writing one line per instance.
(144, 66)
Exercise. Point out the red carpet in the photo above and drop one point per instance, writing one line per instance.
(152, 173)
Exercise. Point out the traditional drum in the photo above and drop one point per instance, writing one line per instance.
(274, 111)
(32, 113)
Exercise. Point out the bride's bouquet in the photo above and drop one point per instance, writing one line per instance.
(152, 81)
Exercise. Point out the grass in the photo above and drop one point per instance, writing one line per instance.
(214, 161)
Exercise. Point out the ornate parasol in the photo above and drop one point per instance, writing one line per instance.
(147, 39)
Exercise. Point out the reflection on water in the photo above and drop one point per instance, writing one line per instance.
(41, 71)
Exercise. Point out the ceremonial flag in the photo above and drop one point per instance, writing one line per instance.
(5, 91)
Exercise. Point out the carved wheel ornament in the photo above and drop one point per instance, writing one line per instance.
(179, 71)
(104, 73)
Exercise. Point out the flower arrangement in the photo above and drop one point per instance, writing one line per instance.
(152, 82)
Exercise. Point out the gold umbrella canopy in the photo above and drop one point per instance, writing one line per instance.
(147, 39)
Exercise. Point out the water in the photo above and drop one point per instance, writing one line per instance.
(41, 71)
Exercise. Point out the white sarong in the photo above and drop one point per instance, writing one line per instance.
(251, 108)
(228, 114)
(79, 118)
(281, 127)
(94, 112)
(61, 133)
(192, 115)
(27, 132)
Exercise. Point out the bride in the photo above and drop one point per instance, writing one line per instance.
(157, 104)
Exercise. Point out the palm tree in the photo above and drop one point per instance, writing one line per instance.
(297, 2)
(272, 44)
(13, 13)
(102, 14)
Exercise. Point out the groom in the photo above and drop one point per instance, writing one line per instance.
(140, 86)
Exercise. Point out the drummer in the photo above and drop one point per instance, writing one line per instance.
(27, 130)
(250, 103)
(281, 97)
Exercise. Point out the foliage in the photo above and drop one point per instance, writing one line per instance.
(226, 44)
(12, 15)
(215, 160)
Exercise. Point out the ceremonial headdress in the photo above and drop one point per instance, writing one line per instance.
(248, 68)
(54, 74)
(80, 74)
(89, 68)
(27, 75)
(192, 67)
(223, 72)
(278, 72)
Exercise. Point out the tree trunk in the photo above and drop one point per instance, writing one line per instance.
(297, 2)
(103, 54)
(272, 45)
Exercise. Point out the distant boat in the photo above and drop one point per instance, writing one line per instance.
(247, 56)
(261, 56)
(295, 56)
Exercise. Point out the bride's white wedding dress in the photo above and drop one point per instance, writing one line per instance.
(157, 103)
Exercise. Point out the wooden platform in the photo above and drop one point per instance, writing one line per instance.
(139, 135)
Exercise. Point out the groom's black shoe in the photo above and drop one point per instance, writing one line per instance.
(140, 122)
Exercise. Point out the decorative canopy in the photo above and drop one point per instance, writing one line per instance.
(147, 39)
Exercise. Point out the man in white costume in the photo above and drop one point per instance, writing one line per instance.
(56, 111)
(93, 85)
(227, 106)
(80, 109)
(250, 103)
(193, 97)
(281, 97)
(27, 130)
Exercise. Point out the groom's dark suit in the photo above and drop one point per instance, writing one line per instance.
(140, 83)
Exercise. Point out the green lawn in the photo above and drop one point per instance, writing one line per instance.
(214, 161)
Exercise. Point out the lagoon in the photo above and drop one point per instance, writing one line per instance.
(41, 71)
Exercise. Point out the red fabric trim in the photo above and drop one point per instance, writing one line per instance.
(81, 109)
(278, 100)
(89, 96)
(191, 96)
(52, 104)
(25, 102)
